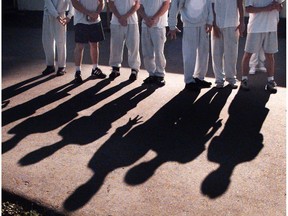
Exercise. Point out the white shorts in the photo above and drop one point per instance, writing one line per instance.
(268, 41)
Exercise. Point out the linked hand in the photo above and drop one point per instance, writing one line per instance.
(61, 20)
(173, 33)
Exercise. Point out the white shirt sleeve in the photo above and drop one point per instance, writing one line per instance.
(51, 8)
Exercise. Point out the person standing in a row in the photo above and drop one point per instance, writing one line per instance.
(262, 33)
(154, 21)
(88, 29)
(124, 30)
(228, 25)
(54, 31)
(197, 18)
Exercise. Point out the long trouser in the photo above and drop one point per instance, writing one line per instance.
(224, 55)
(153, 41)
(195, 48)
(121, 35)
(54, 33)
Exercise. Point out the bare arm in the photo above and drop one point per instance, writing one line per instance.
(273, 6)
(241, 26)
(216, 30)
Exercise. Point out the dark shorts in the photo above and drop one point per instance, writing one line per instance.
(89, 33)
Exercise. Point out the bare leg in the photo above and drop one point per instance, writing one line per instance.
(94, 52)
(245, 63)
(78, 54)
(270, 64)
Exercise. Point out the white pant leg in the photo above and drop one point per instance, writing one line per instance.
(217, 52)
(117, 45)
(133, 44)
(60, 38)
(253, 60)
(159, 38)
(48, 39)
(261, 58)
(202, 59)
(231, 39)
(189, 50)
(148, 51)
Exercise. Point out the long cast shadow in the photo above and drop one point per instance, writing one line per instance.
(88, 129)
(61, 114)
(177, 132)
(239, 142)
(29, 108)
(23, 86)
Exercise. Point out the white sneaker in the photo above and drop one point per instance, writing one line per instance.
(262, 69)
(252, 70)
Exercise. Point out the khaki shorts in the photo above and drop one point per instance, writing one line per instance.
(268, 41)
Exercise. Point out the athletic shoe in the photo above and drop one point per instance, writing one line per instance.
(159, 81)
(133, 75)
(114, 74)
(61, 71)
(97, 73)
(78, 78)
(48, 70)
(252, 71)
(244, 85)
(192, 87)
(219, 85)
(202, 83)
(262, 69)
(271, 86)
(149, 80)
(233, 85)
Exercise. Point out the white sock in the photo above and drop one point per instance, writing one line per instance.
(244, 77)
(78, 68)
(95, 66)
(270, 78)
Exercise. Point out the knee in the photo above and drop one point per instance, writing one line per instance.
(247, 56)
(79, 47)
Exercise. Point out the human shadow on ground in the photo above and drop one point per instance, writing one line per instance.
(28, 108)
(23, 86)
(61, 114)
(177, 132)
(240, 141)
(89, 129)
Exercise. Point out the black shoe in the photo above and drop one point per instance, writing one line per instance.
(97, 73)
(61, 71)
(192, 87)
(203, 83)
(114, 74)
(133, 75)
(78, 78)
(48, 70)
(159, 81)
(149, 80)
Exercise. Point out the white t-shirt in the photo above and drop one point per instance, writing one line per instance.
(123, 6)
(151, 7)
(58, 7)
(264, 21)
(227, 14)
(90, 5)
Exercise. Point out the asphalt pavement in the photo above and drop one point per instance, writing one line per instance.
(123, 148)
